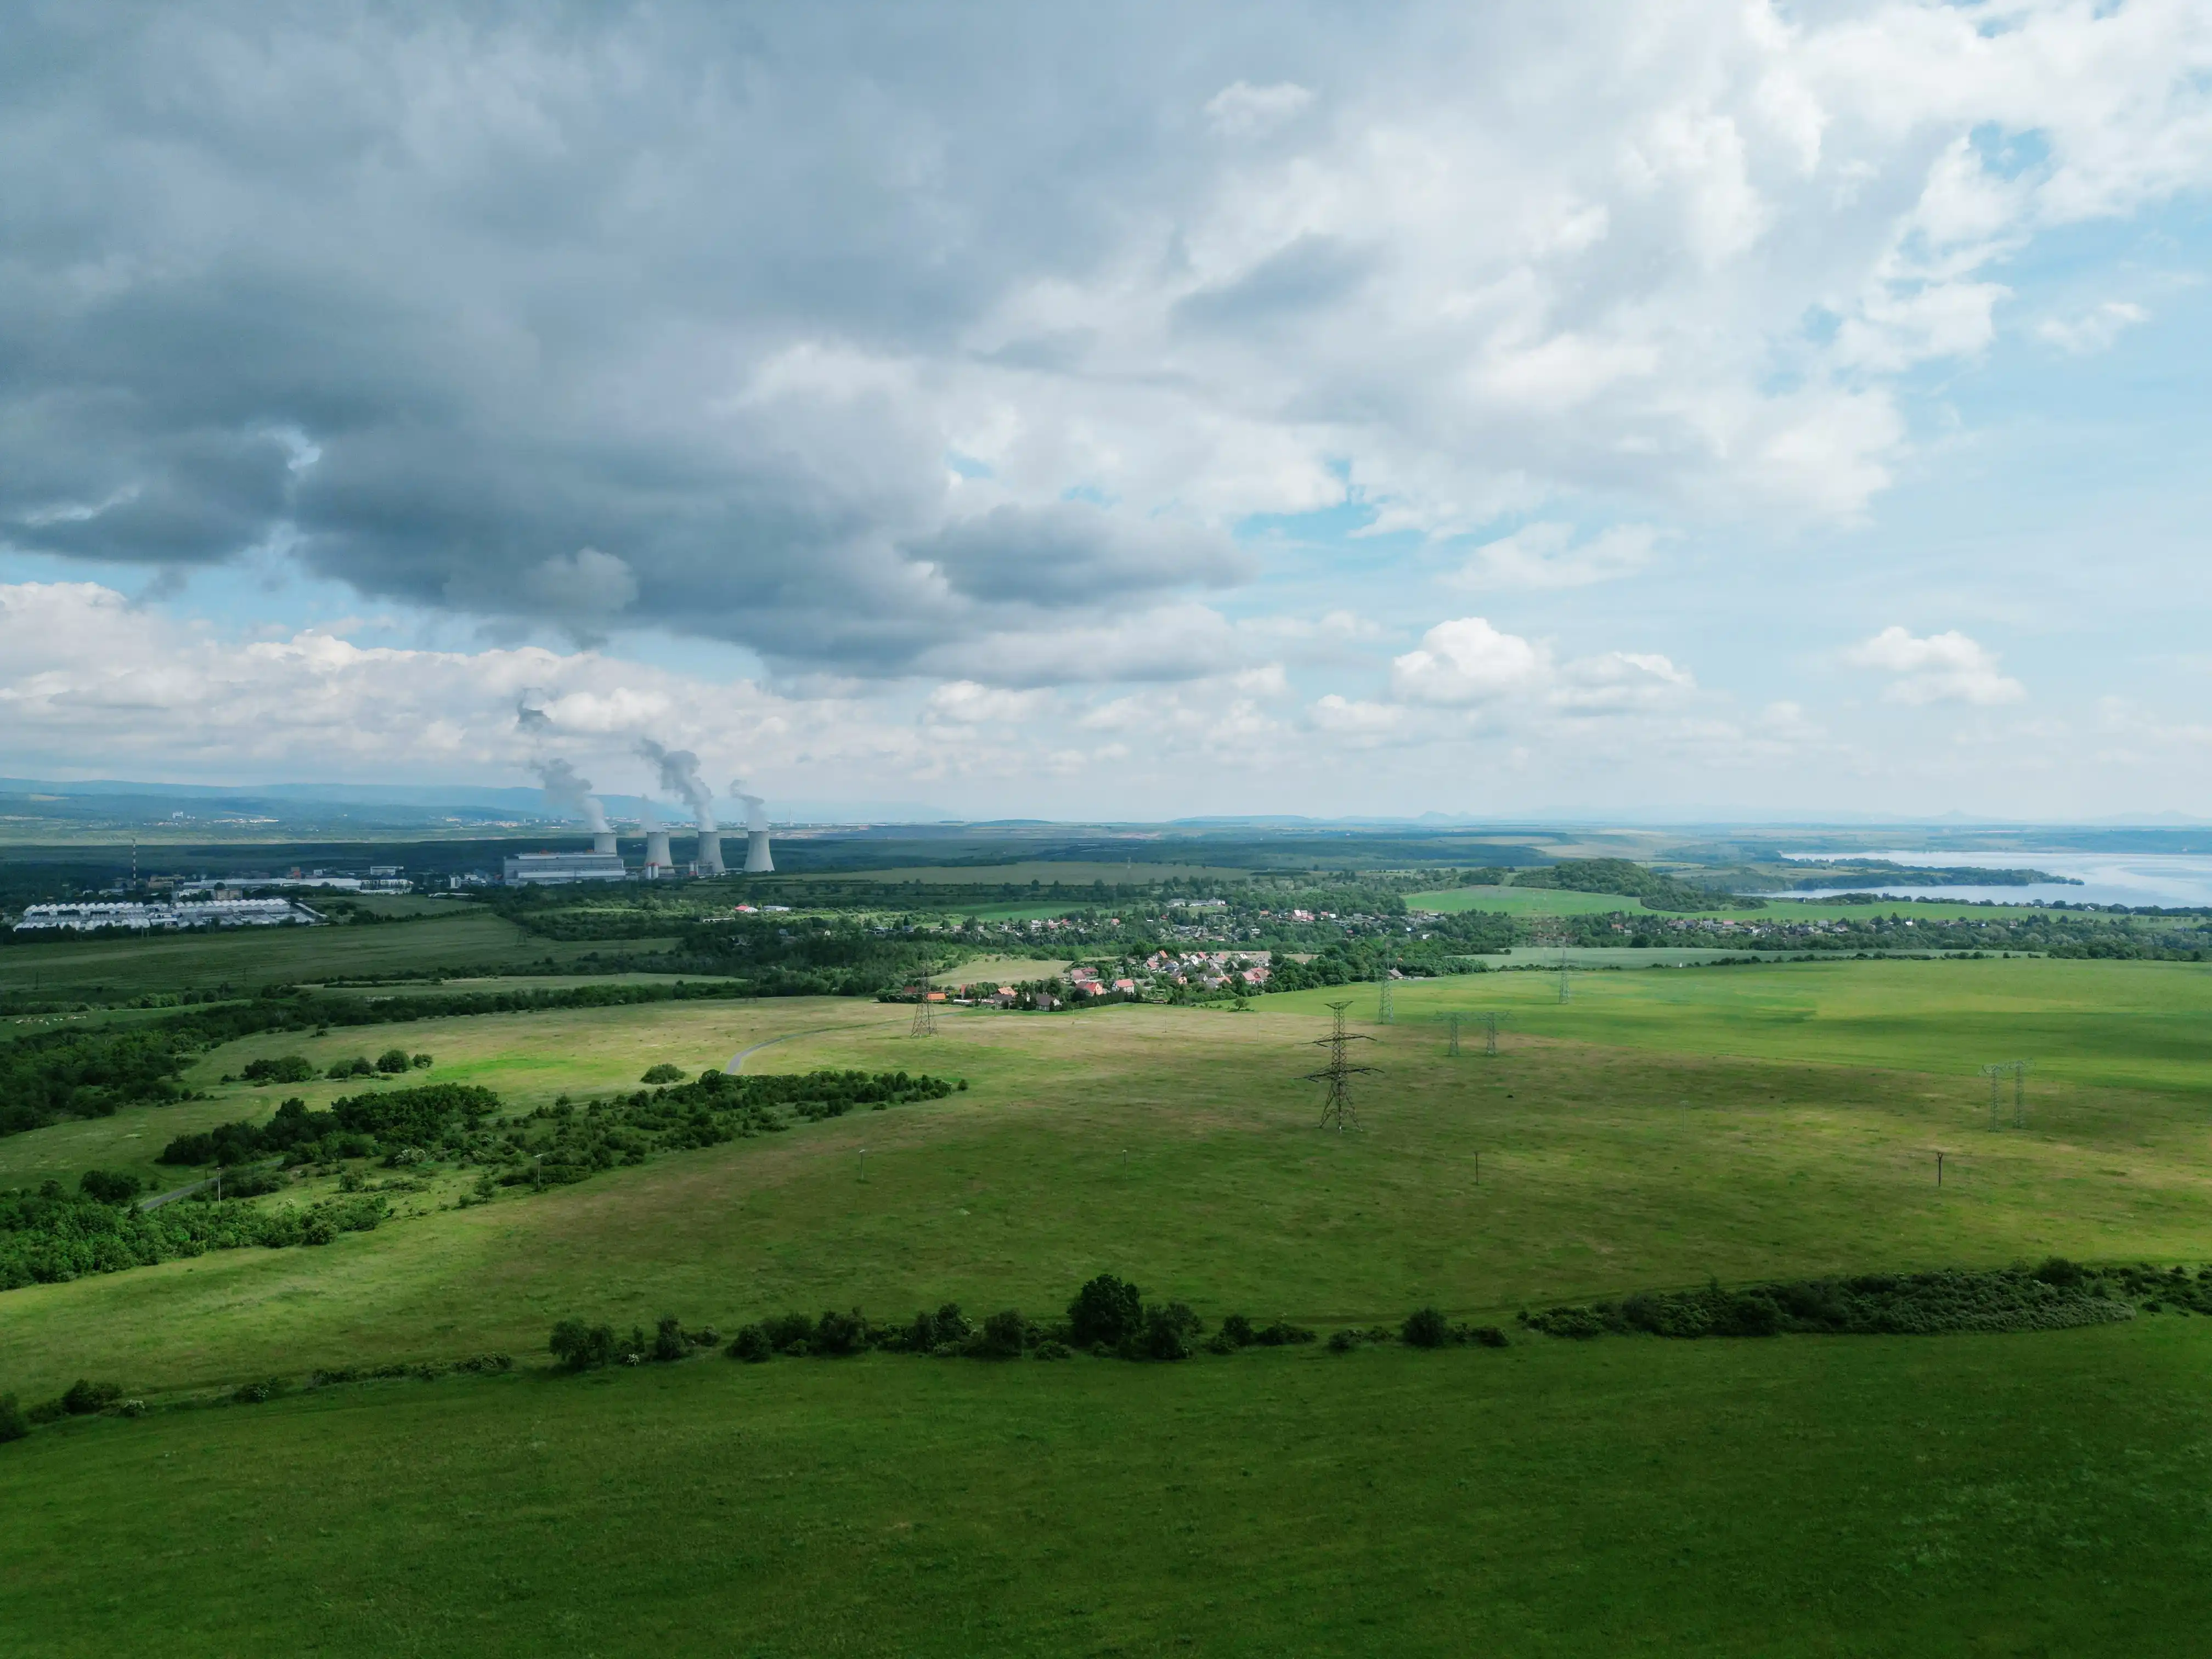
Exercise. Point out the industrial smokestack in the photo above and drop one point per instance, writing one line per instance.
(657, 863)
(566, 793)
(758, 861)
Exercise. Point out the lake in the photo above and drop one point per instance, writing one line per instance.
(2176, 880)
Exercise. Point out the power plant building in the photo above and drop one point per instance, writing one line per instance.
(546, 869)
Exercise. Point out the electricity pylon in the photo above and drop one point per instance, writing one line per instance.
(1997, 1072)
(925, 1019)
(1385, 1014)
(1336, 1111)
(1452, 1020)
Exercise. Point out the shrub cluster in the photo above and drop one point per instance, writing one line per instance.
(358, 1126)
(2055, 1295)
(52, 1236)
(564, 1142)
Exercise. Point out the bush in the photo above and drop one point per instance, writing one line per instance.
(284, 1069)
(257, 1393)
(789, 1333)
(582, 1348)
(13, 1425)
(947, 1330)
(1005, 1336)
(1424, 1327)
(359, 1065)
(82, 1399)
(838, 1334)
(1165, 1333)
(392, 1061)
(107, 1189)
(1344, 1341)
(663, 1073)
(751, 1345)
(1237, 1331)
(1051, 1347)
(668, 1339)
(1281, 1334)
(420, 1062)
(1108, 1311)
(1488, 1336)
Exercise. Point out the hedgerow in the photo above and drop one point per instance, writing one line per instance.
(2055, 1295)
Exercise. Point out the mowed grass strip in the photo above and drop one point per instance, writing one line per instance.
(1179, 1147)
(1944, 1496)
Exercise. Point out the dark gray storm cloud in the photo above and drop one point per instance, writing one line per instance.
(482, 307)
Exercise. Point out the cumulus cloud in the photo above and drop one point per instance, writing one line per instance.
(1467, 661)
(2094, 331)
(1546, 555)
(499, 311)
(1941, 668)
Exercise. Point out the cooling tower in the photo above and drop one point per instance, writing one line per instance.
(604, 841)
(657, 861)
(710, 852)
(757, 862)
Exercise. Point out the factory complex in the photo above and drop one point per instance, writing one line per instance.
(145, 918)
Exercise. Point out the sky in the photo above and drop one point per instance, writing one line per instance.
(1134, 412)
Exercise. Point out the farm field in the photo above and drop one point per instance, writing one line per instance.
(2018, 1495)
(977, 969)
(247, 957)
(1074, 873)
(2121, 1025)
(1561, 902)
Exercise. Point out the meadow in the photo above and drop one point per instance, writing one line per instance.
(1565, 902)
(457, 936)
(2019, 1494)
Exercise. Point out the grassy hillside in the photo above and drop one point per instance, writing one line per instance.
(1970, 1495)
(1178, 1146)
(1959, 1496)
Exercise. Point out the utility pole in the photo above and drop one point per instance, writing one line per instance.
(1452, 1020)
(1336, 1111)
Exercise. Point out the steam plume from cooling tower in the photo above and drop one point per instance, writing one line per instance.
(567, 791)
(680, 772)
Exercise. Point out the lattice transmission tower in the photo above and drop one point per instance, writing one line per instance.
(1997, 1072)
(925, 1020)
(1386, 1013)
(1336, 1111)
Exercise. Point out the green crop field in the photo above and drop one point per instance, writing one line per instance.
(1973, 1494)
(1053, 871)
(1561, 901)
(200, 961)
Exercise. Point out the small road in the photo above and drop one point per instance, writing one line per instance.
(159, 1198)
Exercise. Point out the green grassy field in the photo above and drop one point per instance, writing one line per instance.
(1962, 1496)
(259, 956)
(1050, 871)
(1977, 1495)
(1559, 902)
(2126, 1024)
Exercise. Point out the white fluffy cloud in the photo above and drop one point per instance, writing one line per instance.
(1941, 668)
(1546, 555)
(501, 313)
(1467, 661)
